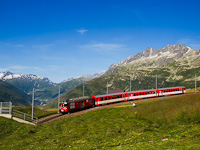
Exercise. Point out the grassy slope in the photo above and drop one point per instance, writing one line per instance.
(172, 123)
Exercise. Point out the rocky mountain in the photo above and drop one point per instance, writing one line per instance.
(26, 82)
(150, 59)
(161, 56)
(175, 65)
(8, 93)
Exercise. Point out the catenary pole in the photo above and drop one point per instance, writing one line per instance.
(195, 83)
(107, 88)
(83, 89)
(58, 97)
(156, 81)
(32, 103)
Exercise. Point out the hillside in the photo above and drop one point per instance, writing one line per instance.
(171, 123)
(9, 92)
(175, 65)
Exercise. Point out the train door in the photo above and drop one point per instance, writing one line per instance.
(161, 93)
(82, 104)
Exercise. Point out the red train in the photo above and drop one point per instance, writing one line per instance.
(86, 102)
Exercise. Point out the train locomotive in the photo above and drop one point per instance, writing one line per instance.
(87, 102)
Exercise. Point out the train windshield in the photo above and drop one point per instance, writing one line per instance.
(65, 105)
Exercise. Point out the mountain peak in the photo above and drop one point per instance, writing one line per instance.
(9, 75)
(170, 51)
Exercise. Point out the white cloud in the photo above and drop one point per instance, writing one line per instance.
(195, 46)
(4, 69)
(19, 45)
(104, 47)
(82, 31)
(43, 46)
(191, 42)
(52, 58)
(19, 68)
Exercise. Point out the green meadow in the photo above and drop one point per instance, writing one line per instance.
(172, 123)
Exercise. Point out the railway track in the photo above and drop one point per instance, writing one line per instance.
(54, 117)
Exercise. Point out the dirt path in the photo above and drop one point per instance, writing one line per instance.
(51, 118)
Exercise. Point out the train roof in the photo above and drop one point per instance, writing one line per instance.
(142, 90)
(110, 94)
(172, 87)
(155, 89)
(78, 99)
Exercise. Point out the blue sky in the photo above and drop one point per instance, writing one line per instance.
(60, 39)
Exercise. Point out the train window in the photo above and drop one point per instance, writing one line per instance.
(101, 99)
(65, 105)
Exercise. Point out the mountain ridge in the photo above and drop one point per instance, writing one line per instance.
(9, 75)
(24, 82)
(160, 57)
(169, 51)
